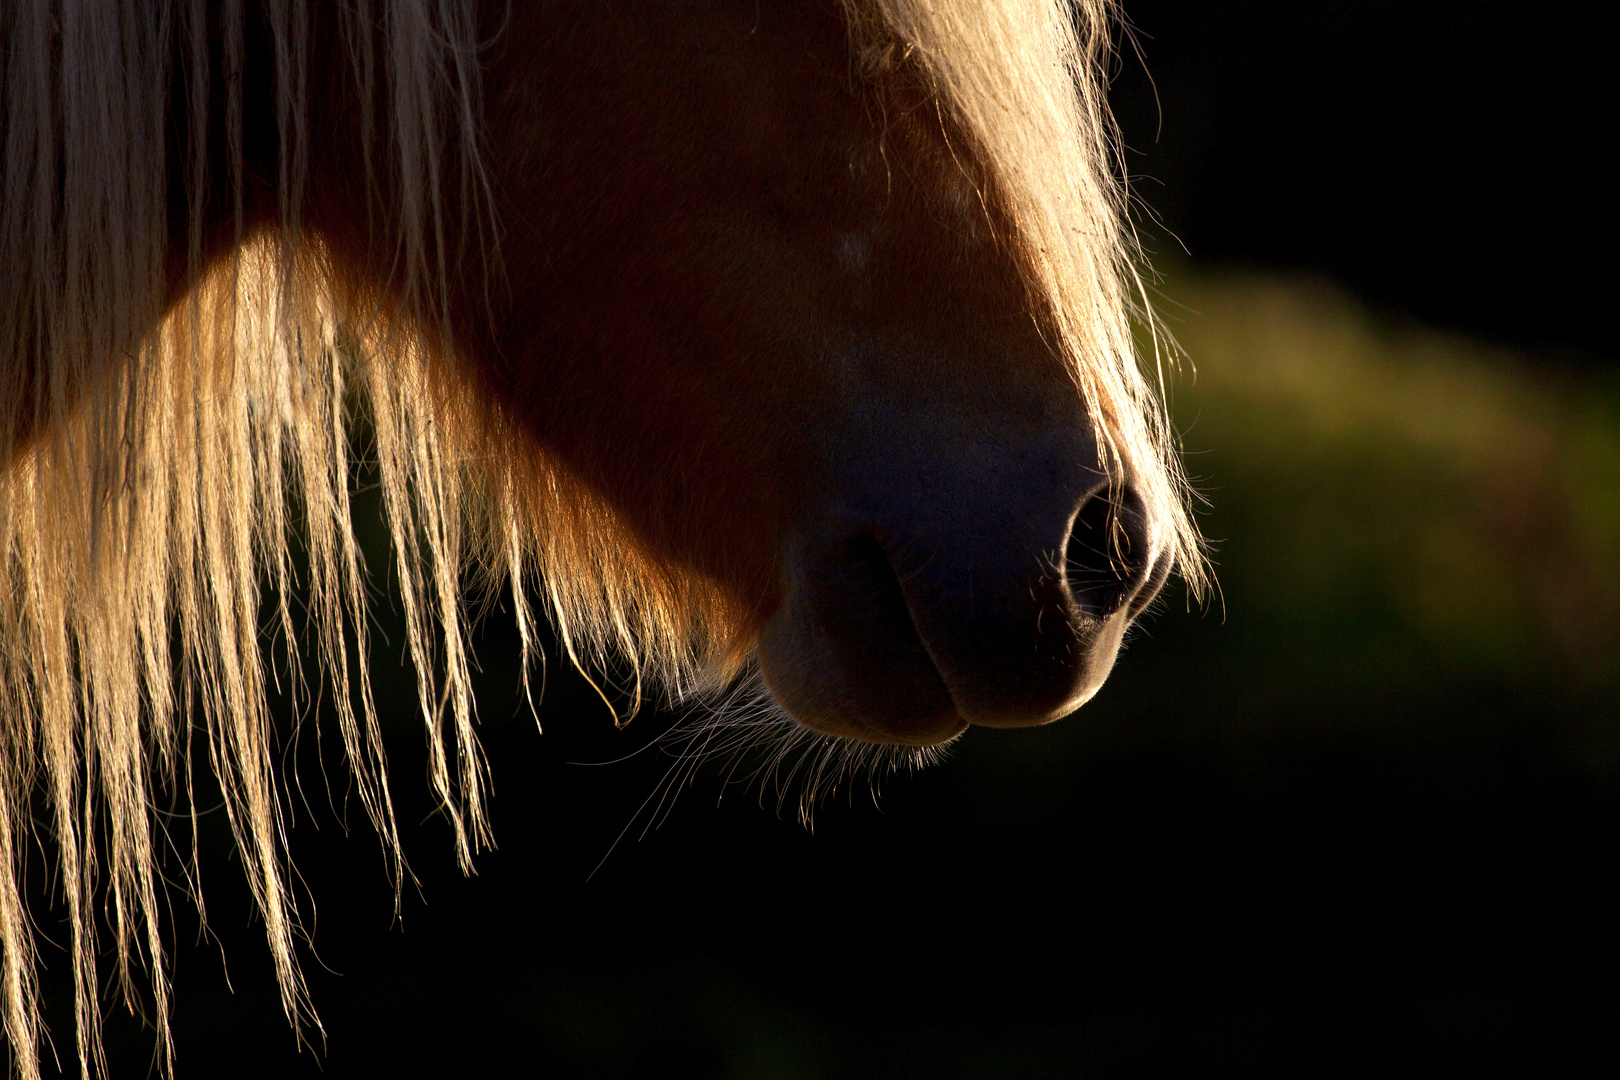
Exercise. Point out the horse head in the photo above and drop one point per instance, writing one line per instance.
(770, 293)
(788, 331)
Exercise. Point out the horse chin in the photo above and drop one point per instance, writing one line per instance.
(844, 658)
(908, 708)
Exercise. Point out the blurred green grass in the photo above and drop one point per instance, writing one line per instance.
(1393, 508)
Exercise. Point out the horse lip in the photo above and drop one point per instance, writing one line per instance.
(855, 660)
(850, 661)
(916, 636)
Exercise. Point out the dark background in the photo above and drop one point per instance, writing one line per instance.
(1293, 836)
(1441, 157)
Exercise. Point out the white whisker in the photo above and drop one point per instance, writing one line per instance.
(759, 747)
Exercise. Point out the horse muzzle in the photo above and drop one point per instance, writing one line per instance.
(960, 581)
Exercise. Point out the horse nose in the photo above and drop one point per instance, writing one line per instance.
(1026, 629)
(1003, 612)
(1109, 561)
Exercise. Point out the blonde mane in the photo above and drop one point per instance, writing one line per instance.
(160, 461)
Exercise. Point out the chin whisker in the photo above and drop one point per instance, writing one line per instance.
(760, 747)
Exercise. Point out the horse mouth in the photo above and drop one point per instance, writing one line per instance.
(851, 663)
(910, 643)
(852, 659)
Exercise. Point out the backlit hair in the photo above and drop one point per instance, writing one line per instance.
(159, 467)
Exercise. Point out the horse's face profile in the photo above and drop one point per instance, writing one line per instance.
(765, 306)
(788, 331)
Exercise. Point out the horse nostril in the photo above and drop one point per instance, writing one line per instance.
(1108, 554)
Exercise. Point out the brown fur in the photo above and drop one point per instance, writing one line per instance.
(574, 266)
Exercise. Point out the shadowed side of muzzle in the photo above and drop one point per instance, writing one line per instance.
(993, 591)
(844, 656)
(1023, 622)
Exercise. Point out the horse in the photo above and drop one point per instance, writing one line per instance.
(784, 343)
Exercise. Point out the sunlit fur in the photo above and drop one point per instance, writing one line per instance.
(161, 455)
